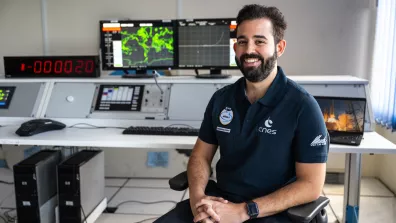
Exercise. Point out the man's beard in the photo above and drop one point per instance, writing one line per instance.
(259, 73)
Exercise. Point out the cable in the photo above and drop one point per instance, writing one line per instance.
(155, 78)
(142, 202)
(10, 218)
(146, 220)
(8, 183)
(5, 221)
(85, 217)
(6, 213)
(181, 125)
(94, 126)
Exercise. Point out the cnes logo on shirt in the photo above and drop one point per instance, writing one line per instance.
(318, 141)
(267, 127)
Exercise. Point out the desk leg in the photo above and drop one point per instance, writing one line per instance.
(352, 188)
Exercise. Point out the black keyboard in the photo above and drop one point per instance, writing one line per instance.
(170, 131)
(347, 140)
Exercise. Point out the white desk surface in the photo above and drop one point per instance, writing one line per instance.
(301, 79)
(111, 137)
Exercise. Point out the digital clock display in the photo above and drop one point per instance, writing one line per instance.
(52, 66)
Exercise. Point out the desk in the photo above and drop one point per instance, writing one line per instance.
(112, 137)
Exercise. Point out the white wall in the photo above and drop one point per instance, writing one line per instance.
(20, 28)
(83, 19)
(386, 164)
(324, 38)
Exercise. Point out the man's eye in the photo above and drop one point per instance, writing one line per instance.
(259, 42)
(241, 42)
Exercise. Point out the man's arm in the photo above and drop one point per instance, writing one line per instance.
(198, 172)
(198, 168)
(307, 188)
(311, 149)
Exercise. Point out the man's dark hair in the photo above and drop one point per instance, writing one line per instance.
(254, 11)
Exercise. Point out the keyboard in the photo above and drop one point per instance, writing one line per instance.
(346, 140)
(169, 131)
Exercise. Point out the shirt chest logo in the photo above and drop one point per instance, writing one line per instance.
(226, 116)
(267, 128)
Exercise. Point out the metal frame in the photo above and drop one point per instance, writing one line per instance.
(352, 187)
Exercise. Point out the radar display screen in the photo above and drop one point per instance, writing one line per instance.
(137, 44)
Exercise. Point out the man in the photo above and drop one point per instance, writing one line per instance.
(270, 131)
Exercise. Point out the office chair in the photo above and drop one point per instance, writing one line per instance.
(313, 212)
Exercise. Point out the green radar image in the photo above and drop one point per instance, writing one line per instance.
(147, 46)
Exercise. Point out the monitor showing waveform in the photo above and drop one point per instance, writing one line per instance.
(205, 43)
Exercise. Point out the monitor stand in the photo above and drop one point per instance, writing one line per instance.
(139, 74)
(214, 74)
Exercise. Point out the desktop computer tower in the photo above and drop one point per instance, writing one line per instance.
(36, 187)
(80, 185)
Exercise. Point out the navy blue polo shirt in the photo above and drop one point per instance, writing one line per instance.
(259, 143)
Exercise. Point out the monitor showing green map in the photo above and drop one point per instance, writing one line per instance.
(137, 44)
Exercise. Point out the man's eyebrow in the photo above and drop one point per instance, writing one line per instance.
(255, 36)
(260, 36)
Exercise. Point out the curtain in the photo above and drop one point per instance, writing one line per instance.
(383, 75)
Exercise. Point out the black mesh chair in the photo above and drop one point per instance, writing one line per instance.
(313, 212)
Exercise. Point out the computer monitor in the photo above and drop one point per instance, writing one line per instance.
(207, 44)
(137, 45)
(343, 114)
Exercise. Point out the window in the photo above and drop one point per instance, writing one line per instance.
(383, 75)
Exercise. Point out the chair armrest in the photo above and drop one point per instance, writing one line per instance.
(179, 182)
(306, 212)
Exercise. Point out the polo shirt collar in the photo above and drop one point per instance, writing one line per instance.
(274, 93)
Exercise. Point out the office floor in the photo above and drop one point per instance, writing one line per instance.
(378, 204)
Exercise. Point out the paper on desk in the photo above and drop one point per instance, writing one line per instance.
(157, 159)
(6, 175)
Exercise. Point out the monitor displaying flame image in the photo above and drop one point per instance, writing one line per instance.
(346, 115)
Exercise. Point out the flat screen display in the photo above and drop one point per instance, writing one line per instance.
(343, 114)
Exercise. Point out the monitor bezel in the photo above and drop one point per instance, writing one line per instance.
(139, 68)
(346, 99)
(203, 67)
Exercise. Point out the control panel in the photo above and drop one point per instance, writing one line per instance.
(135, 101)
(155, 98)
(21, 99)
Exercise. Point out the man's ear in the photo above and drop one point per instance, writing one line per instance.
(235, 45)
(281, 46)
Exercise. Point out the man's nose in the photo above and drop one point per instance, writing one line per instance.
(250, 48)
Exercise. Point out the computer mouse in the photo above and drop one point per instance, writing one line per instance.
(37, 126)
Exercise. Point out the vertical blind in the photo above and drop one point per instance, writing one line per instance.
(383, 75)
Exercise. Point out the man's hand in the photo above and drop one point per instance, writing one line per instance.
(196, 211)
(218, 211)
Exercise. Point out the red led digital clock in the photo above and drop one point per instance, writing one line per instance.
(52, 66)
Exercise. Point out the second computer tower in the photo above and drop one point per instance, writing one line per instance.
(80, 185)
